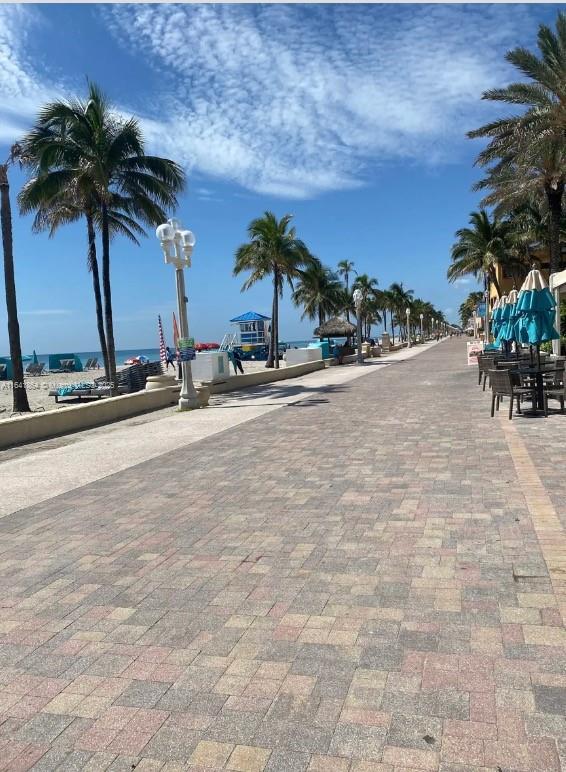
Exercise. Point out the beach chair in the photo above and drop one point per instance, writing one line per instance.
(3, 372)
(35, 369)
(68, 365)
(88, 363)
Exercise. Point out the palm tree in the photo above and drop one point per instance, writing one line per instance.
(480, 248)
(82, 146)
(19, 394)
(369, 309)
(273, 250)
(68, 208)
(527, 150)
(318, 290)
(401, 299)
(469, 305)
(345, 268)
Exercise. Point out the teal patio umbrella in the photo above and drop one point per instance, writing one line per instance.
(502, 316)
(495, 319)
(508, 329)
(535, 308)
(35, 359)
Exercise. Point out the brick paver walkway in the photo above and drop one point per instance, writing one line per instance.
(354, 582)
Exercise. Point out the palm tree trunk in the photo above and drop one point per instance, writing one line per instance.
(93, 267)
(111, 374)
(385, 320)
(19, 393)
(493, 279)
(554, 197)
(270, 357)
(276, 320)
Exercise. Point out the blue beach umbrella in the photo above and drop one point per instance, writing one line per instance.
(508, 330)
(535, 308)
(495, 319)
(502, 316)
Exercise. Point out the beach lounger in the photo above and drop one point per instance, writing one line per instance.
(35, 369)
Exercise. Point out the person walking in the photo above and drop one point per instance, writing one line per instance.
(169, 358)
(236, 359)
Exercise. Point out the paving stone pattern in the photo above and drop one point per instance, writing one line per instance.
(351, 583)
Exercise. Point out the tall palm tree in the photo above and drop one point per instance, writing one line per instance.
(345, 269)
(401, 299)
(480, 248)
(20, 401)
(318, 290)
(527, 150)
(369, 308)
(83, 146)
(273, 250)
(68, 208)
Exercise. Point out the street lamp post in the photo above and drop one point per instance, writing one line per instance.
(358, 299)
(422, 333)
(408, 313)
(177, 245)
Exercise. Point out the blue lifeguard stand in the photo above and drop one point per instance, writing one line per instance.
(253, 329)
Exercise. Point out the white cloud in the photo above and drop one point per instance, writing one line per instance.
(287, 100)
(22, 90)
(295, 100)
(464, 280)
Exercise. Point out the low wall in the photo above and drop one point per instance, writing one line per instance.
(264, 376)
(75, 418)
(64, 420)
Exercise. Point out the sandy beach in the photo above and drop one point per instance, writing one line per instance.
(38, 388)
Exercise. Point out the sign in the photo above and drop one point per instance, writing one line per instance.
(186, 354)
(186, 348)
(473, 349)
(480, 310)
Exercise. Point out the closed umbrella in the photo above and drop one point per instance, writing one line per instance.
(35, 359)
(502, 313)
(494, 319)
(535, 307)
(535, 325)
(508, 329)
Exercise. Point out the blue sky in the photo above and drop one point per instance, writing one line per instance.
(352, 118)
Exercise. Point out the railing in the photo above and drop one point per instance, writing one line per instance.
(228, 342)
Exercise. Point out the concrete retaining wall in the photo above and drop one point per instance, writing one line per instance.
(264, 376)
(40, 426)
(74, 418)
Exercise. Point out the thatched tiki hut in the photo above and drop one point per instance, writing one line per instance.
(337, 327)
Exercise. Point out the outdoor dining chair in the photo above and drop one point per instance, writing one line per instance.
(485, 363)
(506, 383)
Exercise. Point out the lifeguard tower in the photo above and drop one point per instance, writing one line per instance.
(251, 333)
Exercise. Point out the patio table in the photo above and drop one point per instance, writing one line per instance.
(538, 374)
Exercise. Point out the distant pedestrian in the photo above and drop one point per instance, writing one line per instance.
(236, 359)
(169, 358)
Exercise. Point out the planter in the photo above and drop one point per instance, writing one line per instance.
(160, 382)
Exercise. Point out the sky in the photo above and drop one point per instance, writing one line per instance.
(351, 118)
